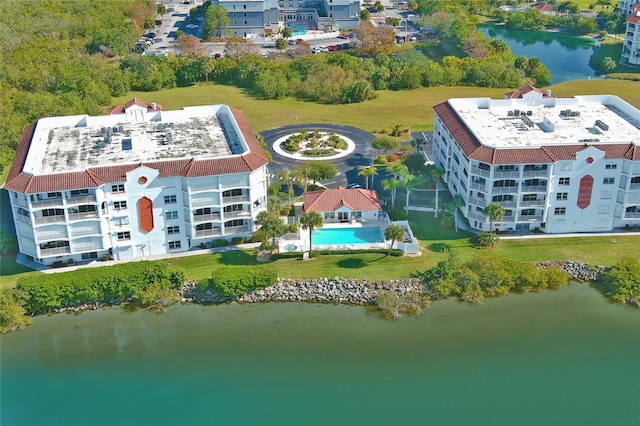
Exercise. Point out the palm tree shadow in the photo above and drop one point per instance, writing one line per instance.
(381, 257)
(439, 247)
(351, 263)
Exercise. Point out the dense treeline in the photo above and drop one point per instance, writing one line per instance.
(147, 283)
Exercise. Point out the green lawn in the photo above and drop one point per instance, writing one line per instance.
(10, 271)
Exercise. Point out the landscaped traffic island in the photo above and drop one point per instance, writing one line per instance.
(311, 145)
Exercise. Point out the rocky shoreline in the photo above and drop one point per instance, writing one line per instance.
(324, 290)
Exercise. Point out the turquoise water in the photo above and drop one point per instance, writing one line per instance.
(297, 29)
(566, 56)
(362, 235)
(565, 357)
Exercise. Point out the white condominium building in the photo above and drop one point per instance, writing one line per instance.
(631, 48)
(555, 164)
(135, 183)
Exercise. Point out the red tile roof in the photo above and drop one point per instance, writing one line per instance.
(542, 7)
(332, 199)
(19, 181)
(634, 16)
(120, 109)
(473, 149)
(517, 94)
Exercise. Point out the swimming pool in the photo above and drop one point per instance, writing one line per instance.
(297, 29)
(366, 235)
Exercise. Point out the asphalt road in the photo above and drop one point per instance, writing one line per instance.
(347, 166)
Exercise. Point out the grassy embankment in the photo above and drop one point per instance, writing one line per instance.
(414, 110)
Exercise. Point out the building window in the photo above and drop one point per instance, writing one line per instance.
(611, 166)
(124, 236)
(120, 205)
(88, 256)
(174, 245)
(562, 196)
(54, 194)
(560, 211)
(528, 212)
(504, 183)
(234, 208)
(483, 166)
(500, 198)
(173, 214)
(117, 188)
(329, 215)
(232, 193)
(244, 6)
(564, 181)
(79, 192)
(170, 199)
(234, 222)
(508, 168)
(529, 197)
(608, 181)
(172, 230)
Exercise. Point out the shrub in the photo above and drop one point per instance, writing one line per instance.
(12, 311)
(235, 280)
(237, 240)
(381, 159)
(447, 222)
(486, 239)
(219, 243)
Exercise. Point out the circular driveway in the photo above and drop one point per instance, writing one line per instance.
(347, 166)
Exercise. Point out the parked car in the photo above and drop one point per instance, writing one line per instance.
(332, 48)
(353, 186)
(157, 40)
(150, 35)
(343, 36)
(191, 26)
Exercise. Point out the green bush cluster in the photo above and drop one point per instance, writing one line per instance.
(487, 275)
(319, 152)
(294, 255)
(231, 281)
(622, 281)
(124, 281)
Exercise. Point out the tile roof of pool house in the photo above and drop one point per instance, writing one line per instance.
(330, 200)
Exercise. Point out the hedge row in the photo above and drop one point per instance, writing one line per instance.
(124, 281)
(314, 253)
(234, 280)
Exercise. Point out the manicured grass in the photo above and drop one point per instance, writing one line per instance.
(414, 109)
(10, 271)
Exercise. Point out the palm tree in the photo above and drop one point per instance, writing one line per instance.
(417, 143)
(495, 212)
(392, 185)
(396, 130)
(367, 171)
(458, 203)
(310, 221)
(284, 176)
(409, 182)
(436, 173)
(393, 233)
(273, 226)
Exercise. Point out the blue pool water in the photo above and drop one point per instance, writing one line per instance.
(371, 234)
(297, 29)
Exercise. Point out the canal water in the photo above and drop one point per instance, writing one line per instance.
(566, 56)
(565, 357)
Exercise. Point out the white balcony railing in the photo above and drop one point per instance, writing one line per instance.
(235, 199)
(532, 218)
(504, 190)
(83, 216)
(537, 188)
(235, 229)
(478, 186)
(480, 172)
(634, 186)
(631, 215)
(505, 174)
(240, 213)
(50, 219)
(93, 245)
(85, 199)
(206, 217)
(52, 202)
(23, 219)
(532, 203)
(54, 251)
(208, 233)
(535, 173)
(477, 201)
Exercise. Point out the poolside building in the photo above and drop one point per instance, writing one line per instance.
(344, 205)
(555, 164)
(631, 46)
(139, 182)
(252, 18)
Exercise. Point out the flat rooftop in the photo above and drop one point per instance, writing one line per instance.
(72, 143)
(522, 123)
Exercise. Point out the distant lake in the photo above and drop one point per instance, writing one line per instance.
(565, 357)
(566, 56)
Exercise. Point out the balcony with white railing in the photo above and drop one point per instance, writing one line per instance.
(480, 172)
(537, 188)
(83, 216)
(50, 219)
(634, 187)
(632, 215)
(55, 234)
(82, 232)
(208, 233)
(532, 203)
(87, 246)
(532, 218)
(85, 199)
(506, 174)
(23, 219)
(504, 190)
(235, 229)
(507, 204)
(239, 213)
(197, 218)
(477, 201)
(51, 202)
(56, 251)
(478, 186)
(476, 216)
(235, 199)
(535, 173)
